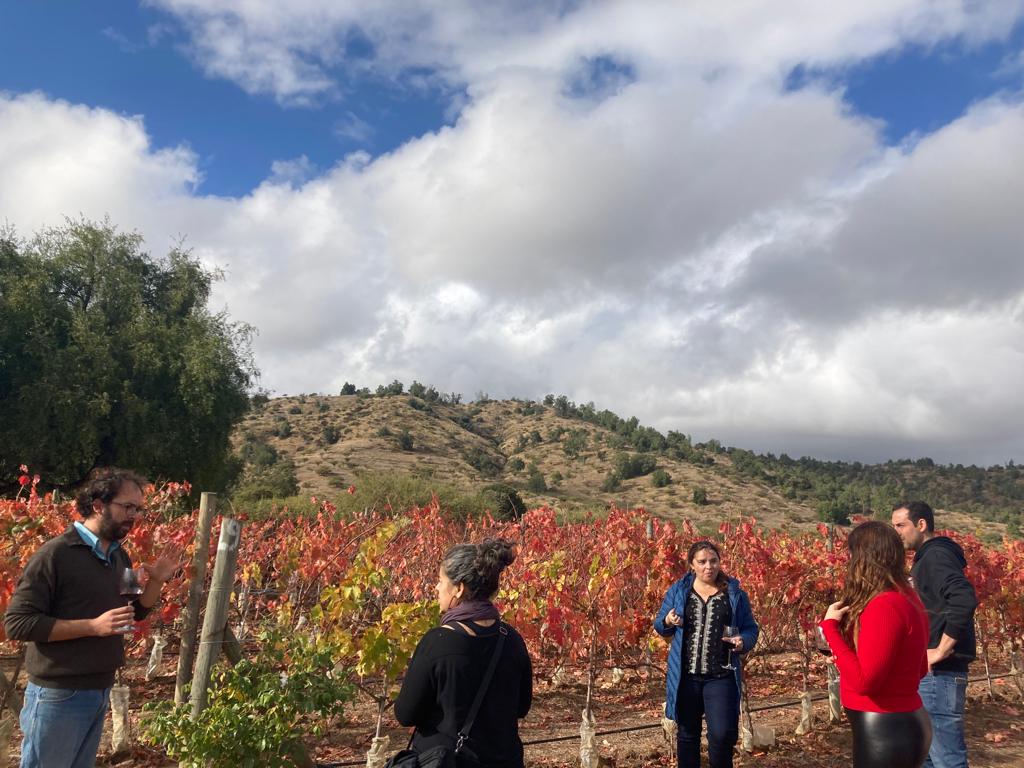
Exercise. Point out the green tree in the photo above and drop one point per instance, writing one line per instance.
(575, 443)
(267, 481)
(506, 502)
(536, 482)
(111, 356)
(700, 495)
(634, 465)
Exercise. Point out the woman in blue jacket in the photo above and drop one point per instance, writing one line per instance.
(702, 680)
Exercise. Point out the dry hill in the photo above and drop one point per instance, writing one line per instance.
(559, 461)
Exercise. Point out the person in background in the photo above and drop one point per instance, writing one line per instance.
(950, 601)
(68, 607)
(450, 662)
(878, 633)
(704, 670)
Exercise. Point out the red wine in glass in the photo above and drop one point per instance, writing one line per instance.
(131, 583)
(820, 643)
(130, 587)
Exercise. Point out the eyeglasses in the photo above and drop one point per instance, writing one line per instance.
(131, 509)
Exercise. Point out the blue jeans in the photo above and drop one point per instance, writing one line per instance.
(943, 694)
(718, 702)
(61, 727)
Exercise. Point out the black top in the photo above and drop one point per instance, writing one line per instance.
(705, 622)
(65, 580)
(948, 597)
(442, 680)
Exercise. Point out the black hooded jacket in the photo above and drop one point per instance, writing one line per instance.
(948, 597)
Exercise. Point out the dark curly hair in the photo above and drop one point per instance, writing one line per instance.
(478, 566)
(104, 484)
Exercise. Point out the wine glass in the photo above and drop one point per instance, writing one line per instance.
(130, 587)
(728, 632)
(820, 643)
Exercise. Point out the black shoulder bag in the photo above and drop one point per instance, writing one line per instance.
(450, 757)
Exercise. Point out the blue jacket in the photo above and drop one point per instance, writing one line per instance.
(742, 617)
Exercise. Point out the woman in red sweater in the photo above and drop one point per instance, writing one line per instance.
(878, 633)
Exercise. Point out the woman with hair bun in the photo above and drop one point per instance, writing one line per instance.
(878, 633)
(452, 660)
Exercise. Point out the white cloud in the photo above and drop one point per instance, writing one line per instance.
(297, 50)
(66, 159)
(353, 128)
(688, 242)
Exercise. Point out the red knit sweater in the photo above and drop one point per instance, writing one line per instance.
(883, 673)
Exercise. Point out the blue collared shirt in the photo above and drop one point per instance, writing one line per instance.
(93, 541)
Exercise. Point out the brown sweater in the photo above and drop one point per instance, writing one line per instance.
(65, 580)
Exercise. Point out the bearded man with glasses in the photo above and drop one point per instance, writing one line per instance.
(69, 609)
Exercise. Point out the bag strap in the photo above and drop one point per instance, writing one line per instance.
(468, 725)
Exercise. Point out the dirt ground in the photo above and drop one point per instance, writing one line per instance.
(995, 727)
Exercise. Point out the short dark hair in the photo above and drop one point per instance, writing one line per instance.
(104, 484)
(478, 566)
(918, 510)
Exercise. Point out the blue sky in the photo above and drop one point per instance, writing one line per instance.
(792, 227)
(131, 59)
(918, 89)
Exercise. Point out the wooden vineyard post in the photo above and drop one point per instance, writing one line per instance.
(835, 709)
(190, 619)
(9, 696)
(215, 620)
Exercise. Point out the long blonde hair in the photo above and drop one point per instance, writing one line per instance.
(877, 564)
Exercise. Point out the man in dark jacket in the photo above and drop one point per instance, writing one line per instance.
(69, 607)
(949, 599)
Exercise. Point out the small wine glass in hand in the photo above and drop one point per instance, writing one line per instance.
(820, 643)
(728, 633)
(131, 587)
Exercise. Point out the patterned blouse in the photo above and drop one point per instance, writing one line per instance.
(704, 653)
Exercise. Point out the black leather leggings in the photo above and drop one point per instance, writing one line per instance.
(890, 739)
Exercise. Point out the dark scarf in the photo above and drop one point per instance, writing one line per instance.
(471, 610)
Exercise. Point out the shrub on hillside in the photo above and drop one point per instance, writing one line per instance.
(634, 465)
(536, 483)
(507, 503)
(660, 478)
(259, 455)
(612, 482)
(575, 443)
(267, 482)
(837, 510)
(404, 440)
(482, 461)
